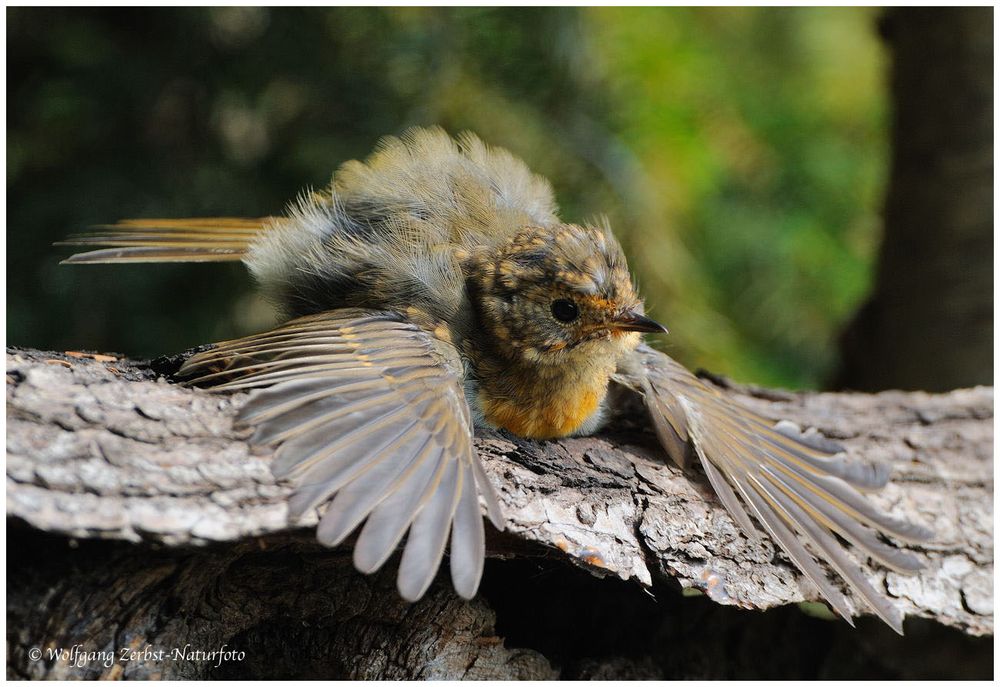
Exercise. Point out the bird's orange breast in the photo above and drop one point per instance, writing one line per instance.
(541, 414)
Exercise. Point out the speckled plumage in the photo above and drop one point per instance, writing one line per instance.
(432, 287)
(465, 239)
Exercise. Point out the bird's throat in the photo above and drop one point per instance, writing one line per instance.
(543, 405)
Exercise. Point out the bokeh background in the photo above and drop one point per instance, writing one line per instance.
(740, 153)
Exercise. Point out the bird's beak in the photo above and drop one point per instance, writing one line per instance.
(634, 322)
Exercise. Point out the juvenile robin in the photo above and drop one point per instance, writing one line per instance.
(432, 289)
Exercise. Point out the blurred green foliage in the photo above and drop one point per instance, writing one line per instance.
(740, 153)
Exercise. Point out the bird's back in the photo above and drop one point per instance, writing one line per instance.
(389, 232)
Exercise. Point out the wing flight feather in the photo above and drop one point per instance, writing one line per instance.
(367, 409)
(802, 490)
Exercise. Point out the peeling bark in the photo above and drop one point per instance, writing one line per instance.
(139, 519)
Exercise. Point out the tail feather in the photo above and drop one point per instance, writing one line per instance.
(195, 239)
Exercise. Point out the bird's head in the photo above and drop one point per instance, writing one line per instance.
(552, 295)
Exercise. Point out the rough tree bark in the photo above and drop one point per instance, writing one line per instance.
(929, 321)
(140, 526)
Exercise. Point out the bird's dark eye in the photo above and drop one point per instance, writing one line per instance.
(564, 310)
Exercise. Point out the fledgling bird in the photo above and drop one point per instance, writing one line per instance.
(432, 289)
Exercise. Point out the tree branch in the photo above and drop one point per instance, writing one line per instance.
(198, 550)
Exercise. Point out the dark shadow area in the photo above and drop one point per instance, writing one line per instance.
(299, 611)
(606, 628)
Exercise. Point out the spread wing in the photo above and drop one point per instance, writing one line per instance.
(367, 408)
(803, 491)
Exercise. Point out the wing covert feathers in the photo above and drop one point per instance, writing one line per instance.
(368, 409)
(196, 239)
(802, 490)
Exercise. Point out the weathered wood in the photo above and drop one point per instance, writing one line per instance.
(197, 549)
